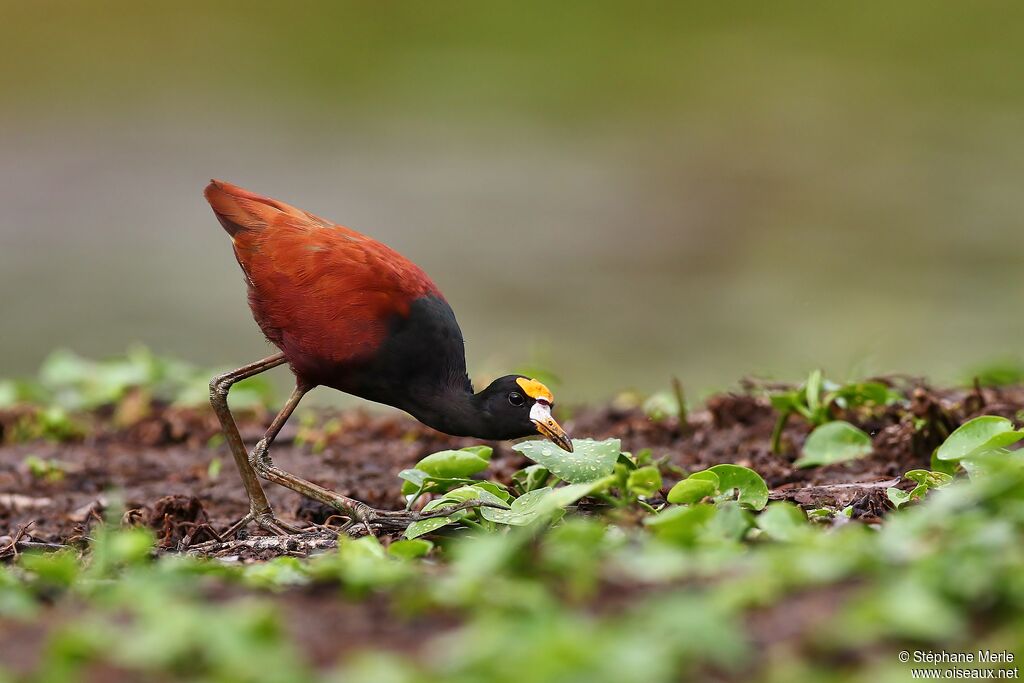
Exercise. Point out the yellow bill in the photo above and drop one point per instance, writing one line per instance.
(540, 413)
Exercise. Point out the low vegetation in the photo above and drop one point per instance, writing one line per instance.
(601, 565)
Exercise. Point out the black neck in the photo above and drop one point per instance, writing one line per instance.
(456, 411)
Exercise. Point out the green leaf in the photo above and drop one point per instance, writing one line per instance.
(590, 460)
(121, 547)
(276, 573)
(451, 464)
(932, 480)
(445, 470)
(414, 480)
(64, 367)
(410, 549)
(834, 442)
(925, 481)
(626, 460)
(417, 479)
(463, 494)
(365, 547)
(786, 401)
(977, 437)
(8, 393)
(692, 490)
(56, 569)
(644, 457)
(660, 406)
(752, 491)
(707, 475)
(13, 392)
(538, 504)
(213, 469)
(730, 522)
(945, 466)
(484, 452)
(477, 491)
(496, 489)
(864, 393)
(525, 509)
(812, 391)
(898, 497)
(531, 478)
(645, 481)
(567, 495)
(425, 526)
(681, 525)
(998, 374)
(783, 521)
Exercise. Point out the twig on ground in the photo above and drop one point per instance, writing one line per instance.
(12, 547)
(294, 544)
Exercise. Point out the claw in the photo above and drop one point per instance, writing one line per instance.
(275, 526)
(266, 521)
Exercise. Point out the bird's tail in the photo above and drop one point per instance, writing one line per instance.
(238, 209)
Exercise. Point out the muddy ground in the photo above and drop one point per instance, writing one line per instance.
(160, 468)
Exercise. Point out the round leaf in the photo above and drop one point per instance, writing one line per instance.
(731, 522)
(531, 478)
(932, 480)
(410, 549)
(524, 510)
(452, 464)
(590, 460)
(691, 491)
(463, 494)
(834, 442)
(417, 479)
(645, 481)
(752, 491)
(898, 497)
(706, 475)
(484, 452)
(497, 489)
(425, 526)
(537, 504)
(681, 525)
(783, 521)
(977, 437)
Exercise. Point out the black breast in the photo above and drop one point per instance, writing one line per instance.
(422, 357)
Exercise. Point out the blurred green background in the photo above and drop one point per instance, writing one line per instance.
(619, 192)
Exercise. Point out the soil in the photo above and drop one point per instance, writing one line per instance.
(158, 472)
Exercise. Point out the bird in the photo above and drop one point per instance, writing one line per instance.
(347, 312)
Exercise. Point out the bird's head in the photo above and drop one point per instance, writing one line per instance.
(519, 406)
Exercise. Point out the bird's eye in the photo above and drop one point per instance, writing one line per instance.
(516, 399)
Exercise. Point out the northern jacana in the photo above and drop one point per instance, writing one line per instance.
(350, 313)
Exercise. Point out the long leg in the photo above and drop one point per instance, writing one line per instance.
(259, 507)
(260, 461)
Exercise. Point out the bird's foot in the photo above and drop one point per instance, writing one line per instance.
(265, 520)
(376, 521)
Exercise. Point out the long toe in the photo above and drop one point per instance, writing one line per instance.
(267, 521)
(276, 526)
